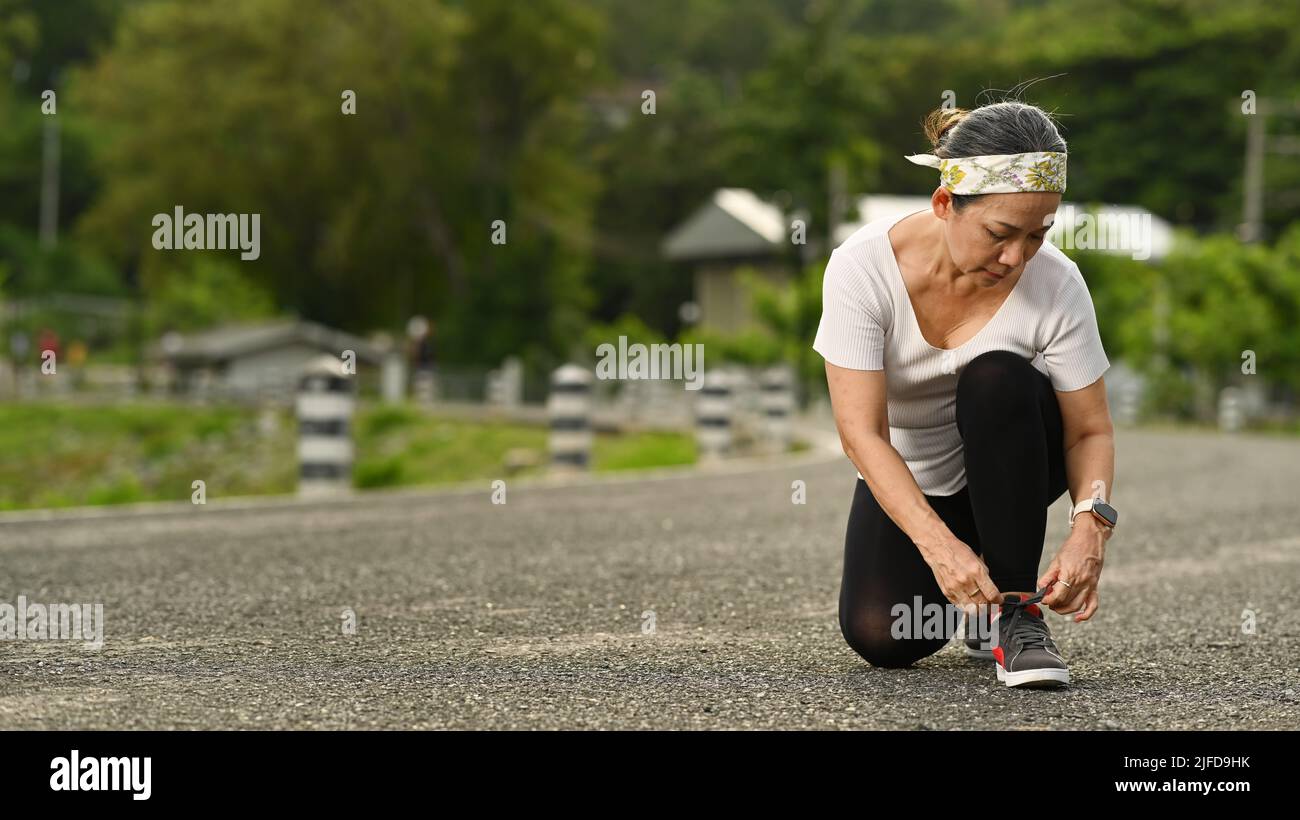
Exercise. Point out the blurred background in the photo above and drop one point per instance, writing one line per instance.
(465, 196)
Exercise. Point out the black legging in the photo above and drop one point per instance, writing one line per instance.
(1010, 424)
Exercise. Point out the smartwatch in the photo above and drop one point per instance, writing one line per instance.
(1105, 514)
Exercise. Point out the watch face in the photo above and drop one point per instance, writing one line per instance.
(1105, 512)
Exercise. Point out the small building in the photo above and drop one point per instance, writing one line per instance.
(735, 229)
(259, 359)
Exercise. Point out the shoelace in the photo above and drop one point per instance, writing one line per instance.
(1029, 631)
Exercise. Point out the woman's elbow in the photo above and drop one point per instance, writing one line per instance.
(858, 442)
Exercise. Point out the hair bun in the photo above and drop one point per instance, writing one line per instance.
(940, 121)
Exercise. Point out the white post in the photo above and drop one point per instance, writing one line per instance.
(1230, 411)
(326, 402)
(505, 385)
(512, 382)
(393, 379)
(569, 408)
(777, 388)
(713, 411)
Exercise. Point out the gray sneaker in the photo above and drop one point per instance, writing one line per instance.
(1023, 647)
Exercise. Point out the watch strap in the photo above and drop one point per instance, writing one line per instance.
(1085, 505)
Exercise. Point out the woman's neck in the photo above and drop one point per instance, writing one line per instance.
(940, 272)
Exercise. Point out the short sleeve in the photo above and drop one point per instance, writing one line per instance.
(850, 334)
(1072, 351)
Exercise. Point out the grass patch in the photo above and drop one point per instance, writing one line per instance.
(61, 455)
(641, 451)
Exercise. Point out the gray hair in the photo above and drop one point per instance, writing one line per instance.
(998, 128)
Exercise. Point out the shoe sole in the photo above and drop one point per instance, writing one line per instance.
(1034, 678)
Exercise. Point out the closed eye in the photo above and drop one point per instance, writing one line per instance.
(1038, 238)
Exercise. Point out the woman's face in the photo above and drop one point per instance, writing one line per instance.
(996, 235)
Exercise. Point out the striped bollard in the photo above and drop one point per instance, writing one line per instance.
(325, 403)
(713, 410)
(777, 401)
(1230, 410)
(569, 409)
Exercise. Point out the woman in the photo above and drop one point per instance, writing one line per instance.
(964, 366)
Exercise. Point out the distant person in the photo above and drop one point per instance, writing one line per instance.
(965, 371)
(47, 342)
(422, 356)
(48, 339)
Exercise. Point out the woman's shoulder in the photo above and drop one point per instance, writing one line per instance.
(858, 268)
(863, 254)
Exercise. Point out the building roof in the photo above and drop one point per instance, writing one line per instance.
(734, 222)
(233, 341)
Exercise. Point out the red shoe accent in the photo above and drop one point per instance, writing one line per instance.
(997, 654)
(1038, 613)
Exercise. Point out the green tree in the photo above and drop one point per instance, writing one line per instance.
(465, 115)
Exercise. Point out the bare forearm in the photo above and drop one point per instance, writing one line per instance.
(1089, 460)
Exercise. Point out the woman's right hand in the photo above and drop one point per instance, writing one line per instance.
(962, 576)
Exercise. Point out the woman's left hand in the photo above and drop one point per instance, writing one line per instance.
(1079, 562)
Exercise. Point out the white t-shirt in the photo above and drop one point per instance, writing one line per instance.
(867, 323)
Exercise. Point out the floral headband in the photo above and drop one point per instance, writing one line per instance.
(999, 173)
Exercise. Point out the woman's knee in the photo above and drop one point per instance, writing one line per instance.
(998, 382)
(878, 645)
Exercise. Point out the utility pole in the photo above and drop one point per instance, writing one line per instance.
(1258, 146)
(49, 228)
(1252, 217)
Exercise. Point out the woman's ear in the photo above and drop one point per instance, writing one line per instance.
(941, 202)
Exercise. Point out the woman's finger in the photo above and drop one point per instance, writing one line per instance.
(1089, 609)
(989, 591)
(1071, 600)
(1048, 579)
(1080, 601)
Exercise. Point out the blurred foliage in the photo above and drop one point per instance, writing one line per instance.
(466, 115)
(206, 291)
(532, 114)
(599, 333)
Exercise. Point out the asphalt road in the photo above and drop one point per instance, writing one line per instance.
(534, 613)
